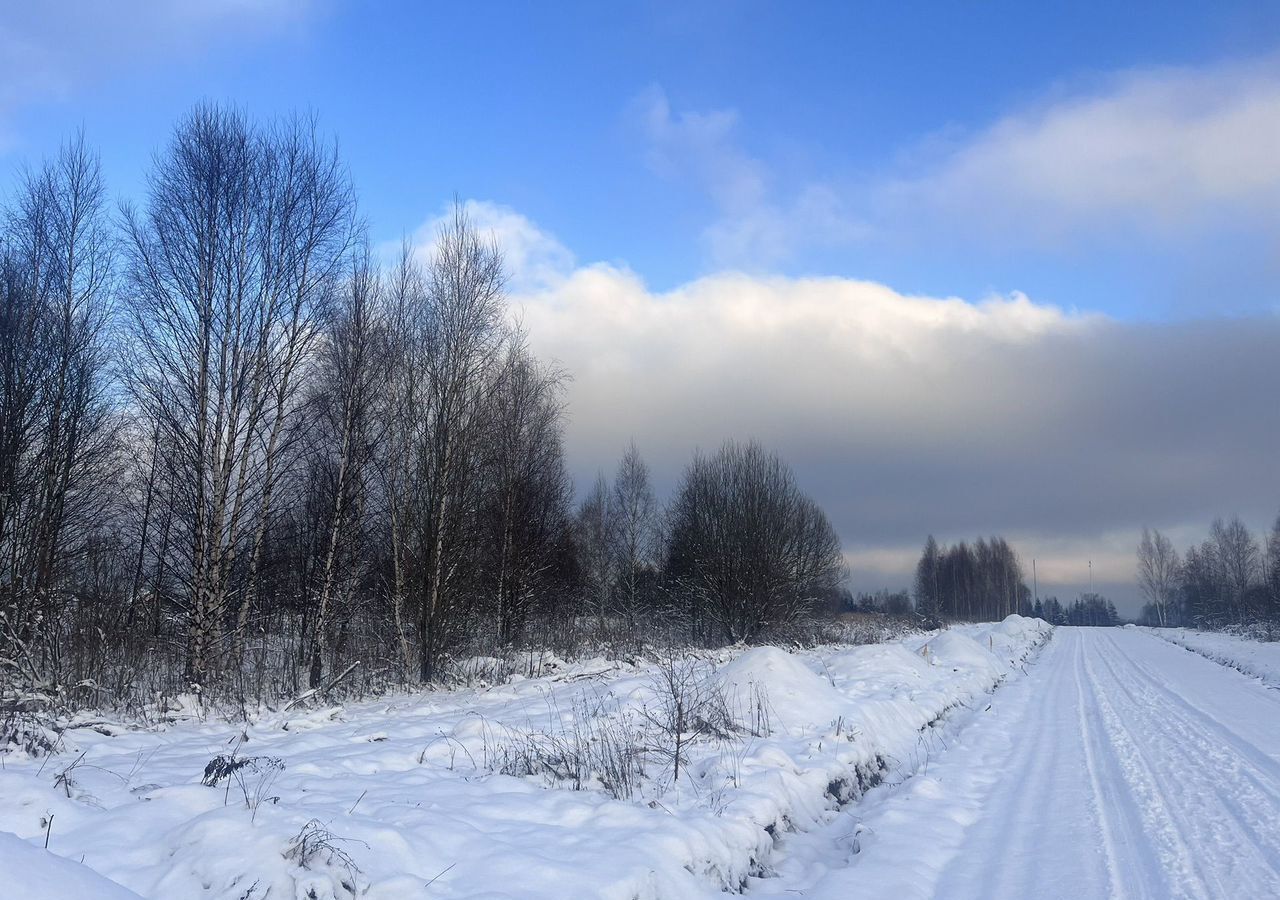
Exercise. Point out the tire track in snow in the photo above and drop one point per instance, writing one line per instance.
(1140, 784)
(1210, 733)
(1185, 760)
(1247, 762)
(823, 864)
(1032, 772)
(1120, 767)
(1243, 745)
(1092, 752)
(968, 829)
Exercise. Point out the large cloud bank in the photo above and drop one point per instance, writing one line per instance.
(910, 415)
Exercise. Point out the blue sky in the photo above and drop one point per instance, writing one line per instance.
(973, 268)
(541, 107)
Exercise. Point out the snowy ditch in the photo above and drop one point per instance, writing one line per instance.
(660, 779)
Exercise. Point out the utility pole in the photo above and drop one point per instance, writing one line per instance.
(1035, 581)
(1090, 576)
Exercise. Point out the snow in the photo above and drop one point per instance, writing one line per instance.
(1120, 767)
(406, 796)
(1108, 764)
(1257, 658)
(34, 873)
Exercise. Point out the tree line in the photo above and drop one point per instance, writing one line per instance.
(1232, 578)
(985, 581)
(1088, 609)
(238, 453)
(975, 582)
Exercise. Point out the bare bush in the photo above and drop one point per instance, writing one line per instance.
(748, 551)
(598, 747)
(690, 706)
(315, 847)
(253, 775)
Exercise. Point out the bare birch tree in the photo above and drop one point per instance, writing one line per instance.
(928, 584)
(1158, 567)
(525, 484)
(1273, 573)
(351, 375)
(466, 307)
(403, 413)
(231, 269)
(594, 529)
(1239, 562)
(57, 427)
(449, 330)
(633, 535)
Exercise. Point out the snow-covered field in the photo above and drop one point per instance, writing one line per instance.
(561, 786)
(1257, 658)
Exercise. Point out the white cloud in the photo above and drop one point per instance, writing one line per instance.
(702, 145)
(1161, 153)
(535, 260)
(1163, 150)
(755, 227)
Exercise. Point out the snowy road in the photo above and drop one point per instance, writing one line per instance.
(1122, 766)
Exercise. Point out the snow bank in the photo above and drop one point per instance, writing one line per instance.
(1257, 658)
(796, 695)
(34, 873)
(471, 792)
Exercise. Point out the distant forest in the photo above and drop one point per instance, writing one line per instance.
(985, 580)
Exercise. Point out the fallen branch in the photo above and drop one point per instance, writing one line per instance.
(321, 691)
